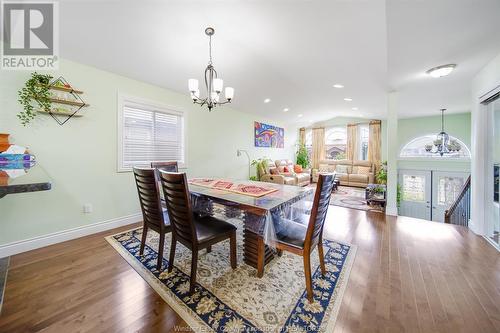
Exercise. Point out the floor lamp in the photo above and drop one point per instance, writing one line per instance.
(238, 153)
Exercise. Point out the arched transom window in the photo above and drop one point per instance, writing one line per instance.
(423, 147)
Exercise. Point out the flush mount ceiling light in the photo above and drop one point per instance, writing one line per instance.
(213, 84)
(267, 100)
(300, 115)
(286, 109)
(347, 99)
(441, 71)
(338, 86)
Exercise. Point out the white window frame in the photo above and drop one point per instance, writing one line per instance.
(124, 99)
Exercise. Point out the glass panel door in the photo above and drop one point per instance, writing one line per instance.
(445, 189)
(415, 193)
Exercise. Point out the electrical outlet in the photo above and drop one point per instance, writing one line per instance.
(87, 208)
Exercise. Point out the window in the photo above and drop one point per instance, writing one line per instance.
(448, 189)
(364, 135)
(336, 143)
(420, 147)
(413, 188)
(148, 132)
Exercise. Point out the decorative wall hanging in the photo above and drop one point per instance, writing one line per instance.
(269, 136)
(56, 98)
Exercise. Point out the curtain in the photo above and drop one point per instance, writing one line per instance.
(318, 146)
(374, 143)
(302, 136)
(352, 142)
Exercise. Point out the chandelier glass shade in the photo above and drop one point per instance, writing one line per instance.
(213, 83)
(442, 143)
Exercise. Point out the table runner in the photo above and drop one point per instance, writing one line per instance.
(231, 186)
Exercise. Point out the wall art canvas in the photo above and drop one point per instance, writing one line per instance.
(269, 136)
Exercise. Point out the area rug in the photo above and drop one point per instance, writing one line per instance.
(352, 197)
(4, 265)
(227, 300)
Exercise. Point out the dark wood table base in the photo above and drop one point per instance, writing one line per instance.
(255, 252)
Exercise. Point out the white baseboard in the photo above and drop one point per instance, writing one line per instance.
(62, 236)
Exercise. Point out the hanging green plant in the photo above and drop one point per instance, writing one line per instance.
(35, 93)
(302, 157)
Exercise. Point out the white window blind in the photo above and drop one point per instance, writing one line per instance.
(150, 134)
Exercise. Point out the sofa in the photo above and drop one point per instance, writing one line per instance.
(275, 172)
(350, 173)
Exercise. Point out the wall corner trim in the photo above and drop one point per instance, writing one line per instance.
(13, 248)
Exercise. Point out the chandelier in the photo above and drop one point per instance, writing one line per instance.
(442, 144)
(213, 84)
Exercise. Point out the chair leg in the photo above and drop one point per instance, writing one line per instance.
(194, 266)
(307, 273)
(160, 251)
(172, 254)
(260, 257)
(143, 239)
(209, 249)
(232, 244)
(280, 252)
(321, 257)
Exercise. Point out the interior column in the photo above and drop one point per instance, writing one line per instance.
(392, 153)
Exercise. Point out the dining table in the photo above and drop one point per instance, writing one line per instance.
(260, 214)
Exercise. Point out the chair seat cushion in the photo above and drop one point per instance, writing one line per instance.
(301, 177)
(292, 233)
(209, 228)
(289, 180)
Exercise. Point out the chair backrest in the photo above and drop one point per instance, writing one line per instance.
(319, 210)
(170, 166)
(176, 195)
(149, 197)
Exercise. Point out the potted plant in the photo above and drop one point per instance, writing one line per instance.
(381, 175)
(260, 165)
(302, 157)
(35, 92)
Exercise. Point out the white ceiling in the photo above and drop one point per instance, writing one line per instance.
(294, 51)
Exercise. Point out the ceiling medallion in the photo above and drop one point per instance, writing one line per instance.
(213, 84)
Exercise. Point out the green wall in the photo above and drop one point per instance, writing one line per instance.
(81, 156)
(457, 125)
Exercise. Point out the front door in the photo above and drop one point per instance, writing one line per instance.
(446, 187)
(415, 193)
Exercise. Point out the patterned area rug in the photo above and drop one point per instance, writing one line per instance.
(352, 197)
(227, 300)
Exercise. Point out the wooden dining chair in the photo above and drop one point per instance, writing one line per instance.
(301, 239)
(193, 231)
(153, 215)
(170, 166)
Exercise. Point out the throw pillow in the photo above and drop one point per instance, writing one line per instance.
(286, 170)
(298, 168)
(341, 169)
(274, 171)
(364, 170)
(324, 168)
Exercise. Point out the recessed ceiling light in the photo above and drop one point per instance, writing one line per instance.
(310, 120)
(338, 86)
(267, 100)
(355, 109)
(300, 115)
(286, 109)
(347, 99)
(441, 70)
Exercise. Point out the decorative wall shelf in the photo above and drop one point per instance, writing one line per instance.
(64, 94)
(60, 113)
(63, 101)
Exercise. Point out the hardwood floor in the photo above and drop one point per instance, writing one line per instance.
(408, 276)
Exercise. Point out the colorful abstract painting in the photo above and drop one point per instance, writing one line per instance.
(269, 136)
